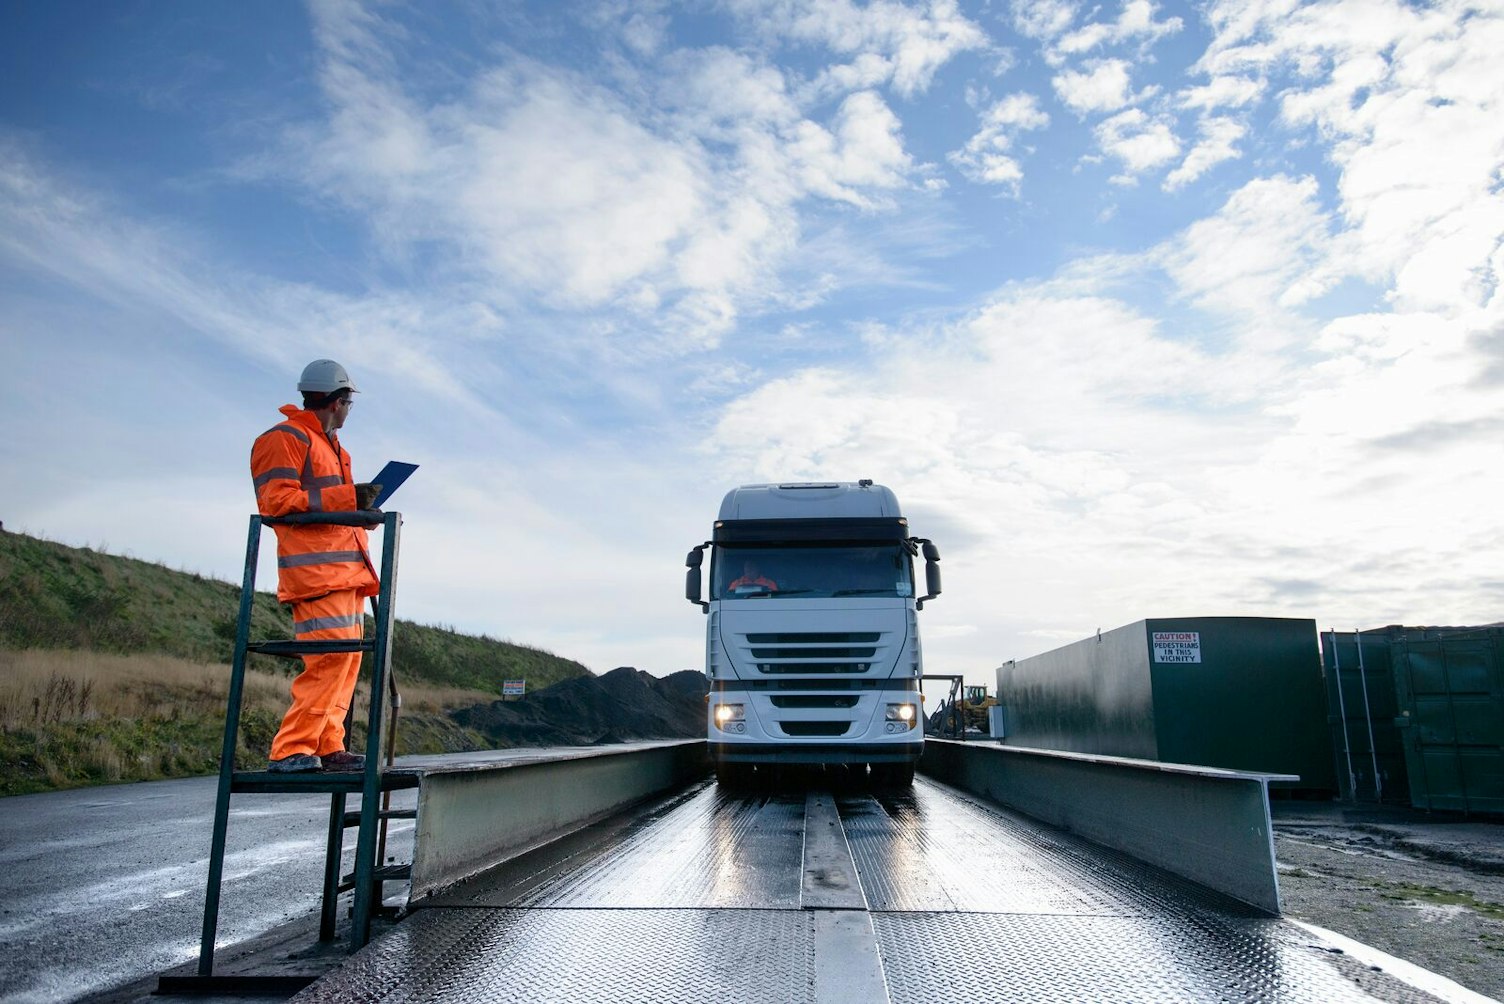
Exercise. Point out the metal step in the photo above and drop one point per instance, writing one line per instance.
(330, 781)
(290, 648)
(386, 873)
(352, 818)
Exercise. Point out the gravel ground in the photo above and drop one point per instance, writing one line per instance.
(1425, 887)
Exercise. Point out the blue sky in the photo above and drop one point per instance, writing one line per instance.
(1142, 309)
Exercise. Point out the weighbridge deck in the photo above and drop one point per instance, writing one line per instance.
(834, 895)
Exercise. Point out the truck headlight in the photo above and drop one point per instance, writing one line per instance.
(900, 717)
(729, 713)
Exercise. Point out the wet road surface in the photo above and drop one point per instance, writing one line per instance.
(837, 895)
(103, 886)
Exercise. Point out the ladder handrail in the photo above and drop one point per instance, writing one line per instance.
(381, 659)
(368, 518)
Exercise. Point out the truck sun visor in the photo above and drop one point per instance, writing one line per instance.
(824, 532)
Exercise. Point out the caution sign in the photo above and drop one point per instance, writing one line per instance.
(1177, 646)
(513, 688)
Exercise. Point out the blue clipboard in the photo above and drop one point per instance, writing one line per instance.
(390, 479)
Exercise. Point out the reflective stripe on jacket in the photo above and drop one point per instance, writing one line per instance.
(295, 467)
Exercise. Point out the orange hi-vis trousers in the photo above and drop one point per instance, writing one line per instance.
(321, 693)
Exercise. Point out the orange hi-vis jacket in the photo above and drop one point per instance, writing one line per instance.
(297, 468)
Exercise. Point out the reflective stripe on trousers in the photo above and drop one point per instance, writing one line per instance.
(321, 693)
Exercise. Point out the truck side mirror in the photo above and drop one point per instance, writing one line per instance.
(692, 562)
(931, 573)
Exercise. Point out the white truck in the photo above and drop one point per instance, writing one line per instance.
(812, 638)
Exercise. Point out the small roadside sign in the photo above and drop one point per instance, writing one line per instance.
(513, 688)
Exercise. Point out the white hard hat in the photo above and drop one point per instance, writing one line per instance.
(325, 376)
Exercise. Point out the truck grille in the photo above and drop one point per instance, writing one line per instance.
(813, 638)
(812, 667)
(813, 652)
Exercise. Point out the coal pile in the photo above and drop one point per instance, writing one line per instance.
(622, 705)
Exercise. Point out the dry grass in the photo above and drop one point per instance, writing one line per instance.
(437, 700)
(69, 717)
(39, 687)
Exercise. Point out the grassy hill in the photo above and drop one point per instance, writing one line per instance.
(116, 669)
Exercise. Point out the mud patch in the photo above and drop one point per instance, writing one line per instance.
(1436, 913)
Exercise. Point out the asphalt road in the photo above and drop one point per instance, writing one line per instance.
(104, 886)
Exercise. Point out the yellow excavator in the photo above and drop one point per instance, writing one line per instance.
(965, 711)
(974, 707)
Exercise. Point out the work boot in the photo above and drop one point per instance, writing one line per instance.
(297, 763)
(344, 760)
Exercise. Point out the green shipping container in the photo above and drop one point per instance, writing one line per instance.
(1243, 693)
(1450, 688)
(1362, 710)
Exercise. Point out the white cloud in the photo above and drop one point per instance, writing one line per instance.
(1141, 143)
(684, 212)
(1105, 87)
(562, 191)
(645, 31)
(1042, 19)
(1265, 251)
(1223, 92)
(1135, 23)
(1216, 144)
(987, 155)
(1234, 24)
(548, 180)
(863, 150)
(890, 41)
(719, 94)
(1410, 104)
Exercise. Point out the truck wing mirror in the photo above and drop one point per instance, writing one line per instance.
(931, 572)
(692, 562)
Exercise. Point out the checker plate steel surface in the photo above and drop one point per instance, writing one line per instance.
(582, 956)
(934, 851)
(697, 898)
(714, 851)
(980, 957)
(704, 849)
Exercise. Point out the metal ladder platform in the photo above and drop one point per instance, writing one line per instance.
(371, 784)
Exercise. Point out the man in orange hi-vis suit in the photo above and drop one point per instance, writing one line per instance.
(324, 571)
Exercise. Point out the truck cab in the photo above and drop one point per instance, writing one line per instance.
(812, 636)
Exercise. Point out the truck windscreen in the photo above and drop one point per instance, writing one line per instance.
(817, 572)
